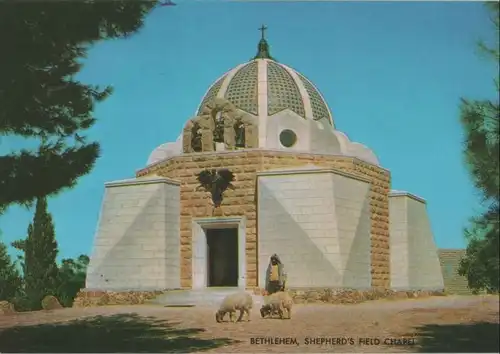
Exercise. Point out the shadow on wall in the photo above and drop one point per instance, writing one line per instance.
(424, 270)
(124, 333)
(303, 260)
(481, 337)
(361, 246)
(127, 262)
(303, 242)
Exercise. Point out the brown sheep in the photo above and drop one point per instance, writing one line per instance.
(277, 303)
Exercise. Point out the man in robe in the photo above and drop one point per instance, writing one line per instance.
(275, 275)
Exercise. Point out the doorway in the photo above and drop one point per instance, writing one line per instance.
(222, 257)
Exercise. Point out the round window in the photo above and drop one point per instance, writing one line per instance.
(288, 138)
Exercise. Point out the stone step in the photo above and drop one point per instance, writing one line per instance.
(203, 297)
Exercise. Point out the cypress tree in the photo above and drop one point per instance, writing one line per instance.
(40, 252)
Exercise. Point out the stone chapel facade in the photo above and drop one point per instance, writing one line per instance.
(302, 190)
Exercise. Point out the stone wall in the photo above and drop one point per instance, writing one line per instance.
(352, 296)
(415, 259)
(299, 296)
(453, 282)
(87, 298)
(241, 201)
(399, 243)
(238, 202)
(318, 221)
(136, 245)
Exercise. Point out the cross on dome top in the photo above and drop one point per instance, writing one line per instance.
(263, 29)
(263, 47)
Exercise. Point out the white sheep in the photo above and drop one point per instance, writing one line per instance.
(277, 303)
(241, 301)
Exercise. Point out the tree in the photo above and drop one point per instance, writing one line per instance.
(39, 96)
(39, 262)
(71, 278)
(72, 275)
(480, 120)
(10, 280)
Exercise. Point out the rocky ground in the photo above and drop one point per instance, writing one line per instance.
(438, 324)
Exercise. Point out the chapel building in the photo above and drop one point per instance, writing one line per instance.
(302, 190)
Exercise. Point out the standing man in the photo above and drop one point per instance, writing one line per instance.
(275, 275)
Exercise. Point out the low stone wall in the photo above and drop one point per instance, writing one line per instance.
(105, 298)
(355, 296)
(300, 296)
(351, 296)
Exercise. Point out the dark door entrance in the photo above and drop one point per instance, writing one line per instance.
(222, 257)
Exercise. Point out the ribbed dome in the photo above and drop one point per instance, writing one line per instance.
(264, 87)
(284, 112)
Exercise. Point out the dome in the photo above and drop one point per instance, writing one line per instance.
(264, 87)
(262, 104)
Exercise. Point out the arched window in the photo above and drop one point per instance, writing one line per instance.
(196, 137)
(239, 130)
(219, 128)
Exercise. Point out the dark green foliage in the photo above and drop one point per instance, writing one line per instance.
(72, 274)
(44, 43)
(70, 280)
(40, 252)
(40, 99)
(64, 283)
(480, 264)
(480, 120)
(10, 279)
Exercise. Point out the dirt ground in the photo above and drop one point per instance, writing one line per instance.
(440, 324)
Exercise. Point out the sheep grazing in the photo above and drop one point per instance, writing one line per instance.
(277, 303)
(241, 301)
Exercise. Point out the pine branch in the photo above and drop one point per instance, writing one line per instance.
(481, 145)
(39, 95)
(27, 175)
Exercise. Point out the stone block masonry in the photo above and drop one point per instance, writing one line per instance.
(245, 164)
(318, 221)
(414, 256)
(450, 262)
(325, 296)
(137, 244)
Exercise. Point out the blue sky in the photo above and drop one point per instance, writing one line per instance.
(392, 74)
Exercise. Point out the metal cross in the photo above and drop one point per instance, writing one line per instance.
(263, 29)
